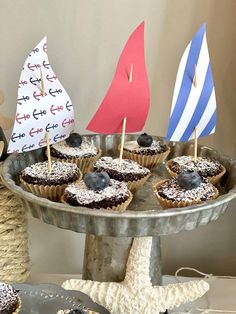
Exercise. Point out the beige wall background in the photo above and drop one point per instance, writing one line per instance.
(85, 39)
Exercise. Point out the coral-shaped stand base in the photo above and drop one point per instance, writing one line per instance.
(135, 294)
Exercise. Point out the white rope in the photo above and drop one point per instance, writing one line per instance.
(191, 269)
(206, 276)
(201, 273)
(205, 311)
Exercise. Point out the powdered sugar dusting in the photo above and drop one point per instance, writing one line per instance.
(85, 149)
(8, 298)
(204, 166)
(86, 196)
(171, 190)
(156, 147)
(127, 166)
(39, 171)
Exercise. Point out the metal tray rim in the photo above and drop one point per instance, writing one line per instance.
(102, 213)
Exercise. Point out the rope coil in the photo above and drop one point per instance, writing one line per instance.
(14, 254)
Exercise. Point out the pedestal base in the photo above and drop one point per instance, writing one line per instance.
(105, 258)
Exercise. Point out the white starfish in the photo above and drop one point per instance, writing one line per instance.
(136, 295)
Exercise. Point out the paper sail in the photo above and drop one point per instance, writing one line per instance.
(193, 105)
(36, 113)
(125, 98)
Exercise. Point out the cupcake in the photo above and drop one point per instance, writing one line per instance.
(207, 168)
(77, 311)
(10, 302)
(78, 150)
(39, 181)
(132, 173)
(147, 151)
(98, 191)
(187, 189)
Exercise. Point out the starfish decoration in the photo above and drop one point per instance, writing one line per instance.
(135, 294)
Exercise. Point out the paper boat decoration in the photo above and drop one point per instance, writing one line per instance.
(193, 105)
(125, 98)
(38, 113)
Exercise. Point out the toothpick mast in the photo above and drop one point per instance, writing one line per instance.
(42, 87)
(122, 141)
(195, 144)
(195, 129)
(124, 121)
(131, 73)
(48, 153)
(195, 77)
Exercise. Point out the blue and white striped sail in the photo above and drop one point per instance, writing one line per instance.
(193, 106)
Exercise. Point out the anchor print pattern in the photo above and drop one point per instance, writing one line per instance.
(38, 112)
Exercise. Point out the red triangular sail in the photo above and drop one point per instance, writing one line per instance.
(125, 99)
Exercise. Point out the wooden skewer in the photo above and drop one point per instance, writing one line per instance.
(131, 74)
(42, 88)
(124, 122)
(195, 77)
(122, 141)
(195, 144)
(48, 153)
(195, 129)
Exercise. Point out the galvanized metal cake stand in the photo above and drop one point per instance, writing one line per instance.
(109, 234)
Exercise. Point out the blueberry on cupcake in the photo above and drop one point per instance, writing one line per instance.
(98, 191)
(129, 171)
(146, 150)
(76, 149)
(206, 167)
(74, 140)
(187, 189)
(145, 140)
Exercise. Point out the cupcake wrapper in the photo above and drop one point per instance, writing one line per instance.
(119, 208)
(51, 192)
(214, 179)
(148, 161)
(168, 166)
(133, 186)
(84, 164)
(165, 203)
(17, 310)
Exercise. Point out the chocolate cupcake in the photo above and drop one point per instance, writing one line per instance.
(187, 189)
(147, 151)
(129, 171)
(39, 181)
(98, 191)
(10, 302)
(207, 168)
(76, 149)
